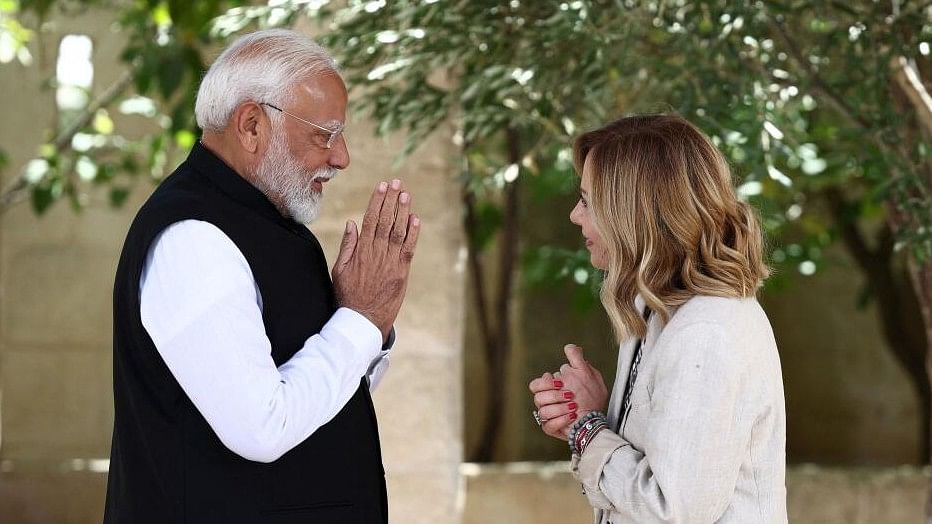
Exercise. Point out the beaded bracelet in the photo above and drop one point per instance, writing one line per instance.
(583, 439)
(589, 425)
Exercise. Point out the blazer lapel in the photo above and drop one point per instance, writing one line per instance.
(625, 355)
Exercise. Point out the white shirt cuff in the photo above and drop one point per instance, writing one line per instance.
(359, 330)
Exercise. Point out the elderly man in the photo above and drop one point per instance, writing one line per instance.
(242, 372)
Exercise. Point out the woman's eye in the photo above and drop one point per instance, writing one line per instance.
(583, 202)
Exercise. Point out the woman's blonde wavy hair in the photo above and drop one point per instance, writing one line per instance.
(665, 207)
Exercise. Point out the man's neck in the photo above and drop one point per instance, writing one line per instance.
(216, 145)
(219, 147)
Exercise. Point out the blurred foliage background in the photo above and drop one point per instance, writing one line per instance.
(822, 108)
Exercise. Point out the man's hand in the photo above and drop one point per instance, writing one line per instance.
(370, 275)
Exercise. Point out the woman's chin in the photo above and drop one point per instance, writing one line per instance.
(597, 262)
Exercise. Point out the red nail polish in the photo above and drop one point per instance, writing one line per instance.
(572, 406)
(558, 384)
(572, 416)
(568, 395)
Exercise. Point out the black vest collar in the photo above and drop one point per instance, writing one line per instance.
(235, 186)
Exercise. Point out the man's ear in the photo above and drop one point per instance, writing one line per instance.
(250, 124)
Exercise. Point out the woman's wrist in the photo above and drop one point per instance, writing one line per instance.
(583, 431)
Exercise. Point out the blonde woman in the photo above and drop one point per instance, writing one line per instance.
(694, 429)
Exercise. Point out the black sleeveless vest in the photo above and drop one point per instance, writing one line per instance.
(166, 464)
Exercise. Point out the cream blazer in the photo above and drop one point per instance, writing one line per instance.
(704, 438)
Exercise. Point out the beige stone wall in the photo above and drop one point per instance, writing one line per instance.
(546, 493)
(848, 400)
(56, 275)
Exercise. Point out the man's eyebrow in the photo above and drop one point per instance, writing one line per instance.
(332, 124)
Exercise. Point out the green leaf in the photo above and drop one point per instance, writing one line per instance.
(42, 199)
(102, 123)
(161, 15)
(118, 196)
(172, 71)
(185, 139)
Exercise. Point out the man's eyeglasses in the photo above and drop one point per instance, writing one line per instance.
(333, 134)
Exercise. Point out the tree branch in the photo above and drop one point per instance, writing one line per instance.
(907, 78)
(475, 269)
(816, 82)
(848, 228)
(510, 233)
(18, 189)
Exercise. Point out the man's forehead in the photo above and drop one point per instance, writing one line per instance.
(327, 87)
(322, 99)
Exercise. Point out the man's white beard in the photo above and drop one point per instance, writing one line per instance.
(282, 177)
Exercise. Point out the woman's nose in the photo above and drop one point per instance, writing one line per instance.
(574, 215)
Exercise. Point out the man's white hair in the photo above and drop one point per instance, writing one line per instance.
(263, 67)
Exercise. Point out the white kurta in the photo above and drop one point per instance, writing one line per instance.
(201, 307)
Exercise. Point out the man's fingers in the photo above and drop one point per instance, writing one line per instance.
(371, 218)
(574, 355)
(347, 247)
(386, 218)
(410, 243)
(400, 227)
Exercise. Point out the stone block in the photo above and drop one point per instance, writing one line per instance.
(424, 498)
(419, 410)
(57, 403)
(47, 498)
(523, 492)
(57, 293)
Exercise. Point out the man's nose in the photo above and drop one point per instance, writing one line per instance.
(339, 154)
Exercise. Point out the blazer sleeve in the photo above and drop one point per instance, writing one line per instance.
(694, 444)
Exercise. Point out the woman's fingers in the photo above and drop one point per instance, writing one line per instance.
(552, 396)
(574, 356)
(557, 427)
(555, 411)
(544, 383)
(567, 369)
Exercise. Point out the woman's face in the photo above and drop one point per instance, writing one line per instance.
(582, 217)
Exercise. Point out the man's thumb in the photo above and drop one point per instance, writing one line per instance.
(574, 355)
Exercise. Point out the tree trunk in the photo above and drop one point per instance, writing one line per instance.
(495, 323)
(921, 277)
(922, 283)
(911, 97)
(897, 303)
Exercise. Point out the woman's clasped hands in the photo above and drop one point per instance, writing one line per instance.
(562, 397)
